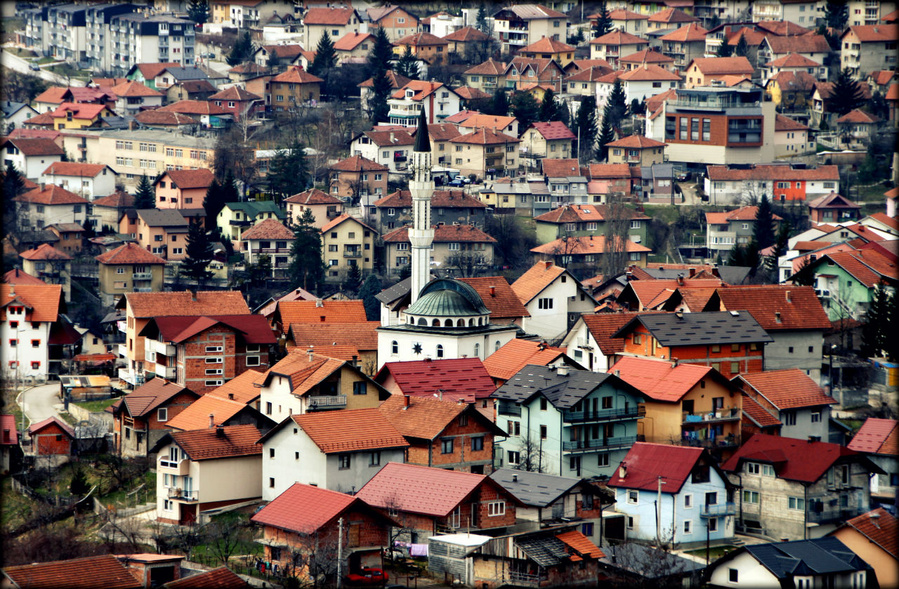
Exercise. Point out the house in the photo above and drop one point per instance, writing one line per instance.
(685, 44)
(549, 48)
(469, 120)
(174, 75)
(129, 268)
(443, 433)
(437, 100)
(793, 62)
(85, 180)
(731, 184)
(816, 562)
(791, 138)
(455, 378)
(192, 468)
(162, 232)
(798, 488)
(337, 21)
(520, 25)
(358, 180)
(202, 352)
(686, 404)
(234, 403)
(584, 82)
(236, 217)
(182, 189)
(462, 249)
(548, 140)
(449, 207)
(673, 494)
(14, 114)
(305, 525)
(147, 73)
(31, 156)
(427, 501)
(792, 92)
(395, 21)
(207, 113)
(133, 97)
(616, 44)
(625, 20)
(199, 90)
(366, 88)
(241, 103)
(323, 206)
(353, 47)
(832, 208)
(71, 115)
(638, 83)
(467, 42)
(868, 48)
(291, 88)
(730, 342)
(140, 418)
(606, 181)
(669, 18)
(857, 126)
(483, 152)
(283, 54)
(822, 103)
(391, 148)
(440, 135)
(729, 228)
(52, 438)
(50, 265)
(424, 46)
(872, 536)
(49, 205)
(572, 423)
(30, 313)
(316, 311)
(108, 210)
(269, 238)
(355, 342)
(636, 150)
(487, 76)
(303, 382)
(584, 254)
(540, 288)
(347, 243)
(77, 573)
(877, 438)
(336, 450)
(505, 363)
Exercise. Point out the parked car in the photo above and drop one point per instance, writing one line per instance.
(366, 578)
(35, 67)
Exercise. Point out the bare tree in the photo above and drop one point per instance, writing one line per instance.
(226, 534)
(466, 263)
(532, 458)
(616, 222)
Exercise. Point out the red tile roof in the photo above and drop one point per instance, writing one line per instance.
(357, 163)
(882, 530)
(129, 253)
(645, 463)
(876, 33)
(305, 509)
(52, 95)
(498, 297)
(772, 172)
(672, 15)
(462, 376)
(240, 388)
(476, 120)
(313, 196)
(253, 329)
(785, 389)
(158, 117)
(439, 199)
(619, 38)
(717, 66)
(466, 35)
(794, 460)
(686, 34)
(603, 326)
(16, 276)
(867, 266)
(8, 424)
(304, 373)
(877, 436)
(649, 72)
(220, 578)
(538, 277)
(133, 89)
(35, 428)
(793, 60)
(195, 107)
(484, 136)
(488, 68)
(747, 213)
(351, 430)
(51, 195)
(397, 137)
(590, 74)
(151, 70)
(268, 229)
(586, 245)
(554, 131)
(396, 80)
(420, 40)
(505, 363)
(42, 301)
(296, 75)
(214, 443)
(149, 396)
(45, 251)
(324, 337)
(185, 179)
(446, 131)
(782, 27)
(444, 234)
(420, 489)
(332, 15)
(351, 40)
(608, 171)
(186, 303)
(235, 93)
(623, 14)
(777, 306)
(79, 110)
(74, 169)
(424, 417)
(324, 312)
(659, 379)
(858, 117)
(77, 573)
(561, 168)
(782, 123)
(758, 414)
(636, 142)
(547, 45)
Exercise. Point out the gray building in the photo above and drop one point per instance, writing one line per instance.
(794, 399)
(450, 207)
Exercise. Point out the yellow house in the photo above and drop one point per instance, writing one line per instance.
(485, 149)
(77, 115)
(549, 48)
(130, 268)
(347, 242)
(870, 535)
(423, 46)
(686, 404)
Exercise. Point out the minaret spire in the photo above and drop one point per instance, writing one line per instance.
(422, 188)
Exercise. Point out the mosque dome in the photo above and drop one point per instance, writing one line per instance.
(448, 303)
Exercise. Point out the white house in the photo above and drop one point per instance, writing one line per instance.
(336, 450)
(389, 146)
(86, 180)
(437, 100)
(554, 298)
(31, 156)
(28, 312)
(638, 84)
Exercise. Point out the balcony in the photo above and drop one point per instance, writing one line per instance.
(827, 516)
(606, 444)
(718, 510)
(166, 372)
(352, 253)
(179, 468)
(732, 414)
(602, 415)
(182, 495)
(509, 408)
(156, 347)
(322, 402)
(723, 442)
(134, 275)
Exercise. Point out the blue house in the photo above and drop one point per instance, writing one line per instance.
(572, 423)
(673, 494)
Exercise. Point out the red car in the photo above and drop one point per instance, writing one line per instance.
(367, 578)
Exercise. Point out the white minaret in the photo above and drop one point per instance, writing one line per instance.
(422, 188)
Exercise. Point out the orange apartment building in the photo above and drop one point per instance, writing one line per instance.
(182, 189)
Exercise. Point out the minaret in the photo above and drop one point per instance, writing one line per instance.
(422, 188)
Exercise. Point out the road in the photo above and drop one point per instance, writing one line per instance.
(18, 64)
(41, 402)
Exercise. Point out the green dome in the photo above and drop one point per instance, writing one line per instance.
(448, 298)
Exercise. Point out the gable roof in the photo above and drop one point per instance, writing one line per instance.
(487, 68)
(498, 297)
(547, 45)
(324, 311)
(197, 414)
(619, 37)
(880, 527)
(158, 117)
(235, 93)
(804, 557)
(758, 414)
(296, 75)
(707, 328)
(41, 301)
(646, 462)
(648, 72)
(877, 436)
(305, 509)
(213, 443)
(78, 169)
(858, 116)
(51, 195)
(782, 123)
(507, 361)
(350, 430)
(357, 163)
(268, 229)
(867, 266)
(586, 245)
(554, 131)
(34, 428)
(186, 303)
(79, 110)
(686, 34)
(747, 213)
(531, 488)
(313, 196)
(604, 326)
(129, 253)
(426, 417)
(717, 66)
(147, 397)
(533, 11)
(786, 389)
(396, 80)
(16, 276)
(252, 329)
(44, 251)
(874, 33)
(390, 138)
(793, 60)
(439, 199)
(323, 338)
(672, 15)
(305, 371)
(662, 380)
(332, 15)
(218, 578)
(185, 179)
(77, 573)
(636, 142)
(772, 172)
(420, 40)
(794, 460)
(833, 200)
(428, 377)
(466, 35)
(536, 279)
(444, 234)
(777, 307)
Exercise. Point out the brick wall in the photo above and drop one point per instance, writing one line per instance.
(52, 440)
(192, 360)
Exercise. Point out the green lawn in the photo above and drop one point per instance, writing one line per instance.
(10, 407)
(96, 406)
(69, 418)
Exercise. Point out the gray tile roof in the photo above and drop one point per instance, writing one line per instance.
(398, 290)
(162, 218)
(546, 551)
(562, 391)
(807, 557)
(531, 488)
(709, 328)
(186, 73)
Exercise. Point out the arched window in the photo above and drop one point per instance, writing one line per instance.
(496, 346)
(460, 323)
(471, 323)
(480, 319)
(394, 347)
(439, 350)
(477, 350)
(435, 323)
(422, 321)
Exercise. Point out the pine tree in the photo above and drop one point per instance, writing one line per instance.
(525, 108)
(877, 319)
(742, 48)
(846, 95)
(325, 57)
(198, 11)
(836, 14)
(230, 193)
(481, 21)
(408, 64)
(213, 203)
(724, 50)
(273, 62)
(378, 64)
(242, 50)
(145, 198)
(199, 254)
(353, 278)
(606, 135)
(381, 51)
(370, 288)
(306, 267)
(763, 231)
(499, 106)
(586, 128)
(603, 24)
(616, 107)
(289, 172)
(549, 108)
(780, 247)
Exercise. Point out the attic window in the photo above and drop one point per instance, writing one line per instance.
(322, 318)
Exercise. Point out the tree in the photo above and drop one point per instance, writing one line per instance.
(198, 11)
(836, 14)
(13, 185)
(289, 172)
(606, 136)
(214, 202)
(742, 48)
(370, 288)
(353, 278)
(724, 50)
(306, 267)
(603, 22)
(586, 128)
(781, 246)
(273, 62)
(763, 232)
(381, 51)
(616, 107)
(408, 64)
(746, 256)
(876, 329)
(378, 64)
(145, 198)
(481, 22)
(513, 243)
(234, 156)
(241, 51)
(525, 108)
(846, 94)
(199, 254)
(499, 107)
(617, 221)
(227, 533)
(325, 62)
(549, 108)
(19, 87)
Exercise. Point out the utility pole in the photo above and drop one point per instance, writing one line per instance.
(659, 513)
(339, 552)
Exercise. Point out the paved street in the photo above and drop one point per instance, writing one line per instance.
(41, 402)
(20, 65)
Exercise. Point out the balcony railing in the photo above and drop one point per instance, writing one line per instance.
(608, 443)
(158, 347)
(182, 495)
(166, 372)
(527, 580)
(833, 515)
(352, 253)
(728, 441)
(326, 402)
(179, 467)
(718, 510)
(508, 408)
(732, 414)
(601, 415)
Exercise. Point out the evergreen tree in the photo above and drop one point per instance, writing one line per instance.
(407, 65)
(724, 50)
(586, 128)
(273, 63)
(499, 106)
(525, 108)
(603, 23)
(289, 172)
(230, 193)
(145, 197)
(198, 11)
(79, 484)
(549, 108)
(836, 14)
(378, 64)
(846, 95)
(370, 288)
(763, 231)
(353, 278)
(742, 48)
(242, 50)
(381, 51)
(637, 108)
(606, 135)
(875, 334)
(306, 267)
(199, 254)
(324, 63)
(214, 203)
(616, 107)
(481, 23)
(745, 255)
(13, 185)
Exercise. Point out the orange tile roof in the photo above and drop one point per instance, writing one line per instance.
(547, 45)
(586, 245)
(882, 531)
(219, 578)
(350, 430)
(74, 169)
(332, 15)
(304, 374)
(45, 251)
(196, 416)
(79, 110)
(623, 14)
(793, 60)
(554, 131)
(488, 68)
(149, 396)
(580, 544)
(313, 196)
(195, 107)
(538, 277)
(758, 414)
(424, 417)
(466, 35)
(51, 195)
(777, 306)
(420, 40)
(636, 142)
(857, 116)
(876, 33)
(560, 168)
(505, 363)
(186, 303)
(296, 75)
(877, 436)
(304, 509)
(590, 74)
(649, 72)
(646, 56)
(324, 337)
(235, 93)
(357, 163)
(268, 229)
(867, 266)
(214, 443)
(604, 171)
(782, 27)
(324, 312)
(439, 199)
(660, 380)
(619, 38)
(157, 117)
(478, 120)
(444, 234)
(786, 389)
(240, 388)
(671, 16)
(16, 276)
(52, 95)
(717, 66)
(52, 420)
(43, 300)
(782, 123)
(498, 297)
(129, 253)
(77, 573)
(747, 213)
(603, 326)
(184, 179)
(133, 89)
(151, 70)
(772, 172)
(686, 34)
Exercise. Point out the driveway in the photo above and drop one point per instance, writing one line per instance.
(41, 402)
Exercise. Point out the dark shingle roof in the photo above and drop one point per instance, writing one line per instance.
(532, 488)
(562, 391)
(807, 557)
(690, 329)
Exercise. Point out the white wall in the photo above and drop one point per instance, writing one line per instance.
(750, 574)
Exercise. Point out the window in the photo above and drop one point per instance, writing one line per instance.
(35, 343)
(688, 527)
(751, 497)
(477, 444)
(394, 347)
(734, 367)
(753, 467)
(688, 501)
(253, 361)
(602, 460)
(514, 458)
(360, 388)
(496, 508)
(633, 497)
(816, 417)
(733, 575)
(440, 350)
(213, 360)
(713, 524)
(214, 349)
(446, 446)
(797, 503)
(271, 482)
(271, 452)
(767, 470)
(35, 365)
(587, 529)
(607, 402)
(574, 464)
(374, 459)
(543, 432)
(162, 414)
(638, 339)
(344, 461)
(514, 428)
(543, 404)
(545, 303)
(630, 522)
(789, 417)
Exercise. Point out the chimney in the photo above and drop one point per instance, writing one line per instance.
(692, 272)
(493, 291)
(440, 394)
(547, 265)
(562, 370)
(43, 186)
(628, 276)
(319, 303)
(211, 421)
(680, 279)
(674, 362)
(514, 478)
(220, 432)
(622, 470)
(310, 352)
(679, 313)
(618, 373)
(406, 399)
(193, 295)
(230, 396)
(875, 519)
(787, 294)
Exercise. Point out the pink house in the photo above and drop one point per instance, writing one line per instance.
(182, 189)
(239, 102)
